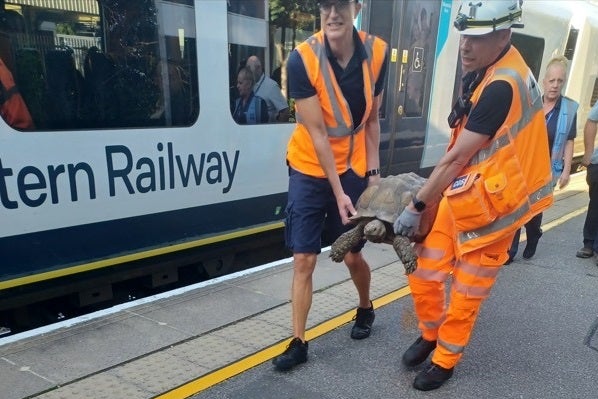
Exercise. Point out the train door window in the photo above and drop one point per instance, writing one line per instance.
(103, 64)
(381, 21)
(419, 65)
(268, 31)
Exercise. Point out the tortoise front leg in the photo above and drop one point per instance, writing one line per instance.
(346, 241)
(406, 254)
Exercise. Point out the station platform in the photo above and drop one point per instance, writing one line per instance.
(536, 336)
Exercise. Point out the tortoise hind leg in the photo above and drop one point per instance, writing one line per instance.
(346, 241)
(403, 248)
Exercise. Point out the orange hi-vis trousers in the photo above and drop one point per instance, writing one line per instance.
(473, 275)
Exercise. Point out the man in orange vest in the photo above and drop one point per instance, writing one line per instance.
(495, 176)
(336, 78)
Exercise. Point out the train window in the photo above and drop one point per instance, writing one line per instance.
(102, 64)
(571, 42)
(249, 8)
(531, 49)
(265, 39)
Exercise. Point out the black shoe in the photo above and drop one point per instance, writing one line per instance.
(364, 318)
(418, 352)
(296, 353)
(585, 252)
(510, 260)
(530, 248)
(431, 378)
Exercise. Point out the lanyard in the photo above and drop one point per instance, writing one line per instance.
(549, 116)
(259, 83)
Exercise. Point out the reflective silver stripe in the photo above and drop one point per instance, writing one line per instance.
(509, 219)
(456, 349)
(470, 290)
(369, 50)
(430, 275)
(433, 324)
(541, 193)
(530, 98)
(495, 226)
(429, 253)
(485, 153)
(529, 107)
(325, 69)
(476, 270)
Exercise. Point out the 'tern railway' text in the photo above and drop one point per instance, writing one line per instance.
(125, 173)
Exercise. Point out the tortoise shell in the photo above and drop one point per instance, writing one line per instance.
(386, 200)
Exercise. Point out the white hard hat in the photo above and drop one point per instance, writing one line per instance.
(477, 17)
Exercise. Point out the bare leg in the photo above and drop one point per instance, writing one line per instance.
(361, 276)
(301, 291)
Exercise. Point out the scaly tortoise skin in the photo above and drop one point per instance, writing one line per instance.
(377, 209)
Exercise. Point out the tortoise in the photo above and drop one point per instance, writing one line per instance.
(377, 209)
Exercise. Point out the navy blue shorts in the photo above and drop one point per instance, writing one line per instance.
(312, 210)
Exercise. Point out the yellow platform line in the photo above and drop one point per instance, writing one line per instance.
(564, 218)
(206, 381)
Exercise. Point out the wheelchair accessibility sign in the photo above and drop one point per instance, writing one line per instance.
(417, 64)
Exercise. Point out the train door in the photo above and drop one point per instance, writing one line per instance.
(410, 28)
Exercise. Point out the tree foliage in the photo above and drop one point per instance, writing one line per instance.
(291, 13)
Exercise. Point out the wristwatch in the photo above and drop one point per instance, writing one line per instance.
(419, 205)
(372, 172)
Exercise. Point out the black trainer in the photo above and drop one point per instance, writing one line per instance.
(364, 318)
(530, 247)
(432, 377)
(296, 353)
(418, 352)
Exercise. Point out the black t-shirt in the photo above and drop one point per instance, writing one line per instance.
(492, 108)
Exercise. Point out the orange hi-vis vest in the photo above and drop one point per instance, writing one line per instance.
(508, 181)
(346, 139)
(12, 106)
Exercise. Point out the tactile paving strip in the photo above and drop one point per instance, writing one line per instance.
(171, 367)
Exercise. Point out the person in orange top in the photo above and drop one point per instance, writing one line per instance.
(12, 106)
(336, 78)
(495, 175)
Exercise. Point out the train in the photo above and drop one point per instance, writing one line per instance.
(134, 167)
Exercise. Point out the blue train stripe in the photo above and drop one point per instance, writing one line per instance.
(49, 254)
